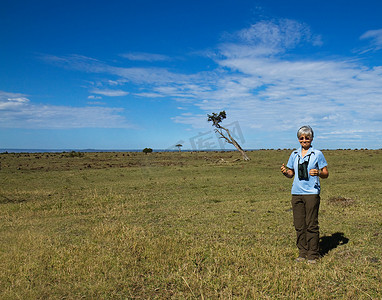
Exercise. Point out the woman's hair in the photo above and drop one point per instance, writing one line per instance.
(305, 130)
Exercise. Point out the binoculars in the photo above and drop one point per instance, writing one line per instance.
(303, 171)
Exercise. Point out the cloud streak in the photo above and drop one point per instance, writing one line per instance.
(109, 93)
(375, 38)
(17, 111)
(276, 36)
(142, 56)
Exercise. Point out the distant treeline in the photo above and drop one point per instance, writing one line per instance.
(5, 150)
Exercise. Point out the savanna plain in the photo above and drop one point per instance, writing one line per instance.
(183, 225)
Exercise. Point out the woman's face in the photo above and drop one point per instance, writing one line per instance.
(305, 141)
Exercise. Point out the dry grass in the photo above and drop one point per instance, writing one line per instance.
(341, 201)
(183, 226)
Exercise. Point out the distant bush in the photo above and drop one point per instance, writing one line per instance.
(75, 154)
(147, 150)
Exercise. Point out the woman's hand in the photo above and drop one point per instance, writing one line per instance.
(287, 172)
(314, 172)
(323, 173)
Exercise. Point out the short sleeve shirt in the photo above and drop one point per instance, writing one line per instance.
(316, 161)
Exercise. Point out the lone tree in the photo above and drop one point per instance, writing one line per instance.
(147, 150)
(179, 146)
(224, 133)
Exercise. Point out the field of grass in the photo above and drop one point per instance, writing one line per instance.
(202, 225)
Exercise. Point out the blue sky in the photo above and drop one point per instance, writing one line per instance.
(142, 73)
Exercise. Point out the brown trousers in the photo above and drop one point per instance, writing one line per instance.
(305, 220)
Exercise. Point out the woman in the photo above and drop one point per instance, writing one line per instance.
(309, 165)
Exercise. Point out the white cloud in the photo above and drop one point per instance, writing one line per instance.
(148, 75)
(270, 93)
(94, 97)
(375, 37)
(16, 111)
(96, 103)
(113, 82)
(109, 93)
(11, 101)
(77, 62)
(269, 38)
(149, 95)
(193, 120)
(137, 75)
(285, 34)
(258, 84)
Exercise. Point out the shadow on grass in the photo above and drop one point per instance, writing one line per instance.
(331, 242)
(5, 200)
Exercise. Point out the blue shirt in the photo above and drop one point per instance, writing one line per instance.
(316, 161)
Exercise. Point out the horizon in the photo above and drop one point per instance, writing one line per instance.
(127, 74)
(26, 151)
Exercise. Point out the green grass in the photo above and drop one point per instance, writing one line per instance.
(183, 226)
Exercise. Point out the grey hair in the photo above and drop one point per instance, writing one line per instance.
(305, 130)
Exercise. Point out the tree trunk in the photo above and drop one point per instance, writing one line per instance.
(245, 156)
(232, 141)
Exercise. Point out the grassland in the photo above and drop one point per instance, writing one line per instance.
(183, 226)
